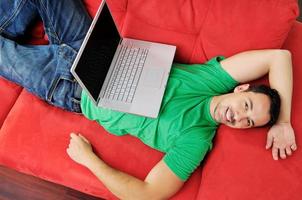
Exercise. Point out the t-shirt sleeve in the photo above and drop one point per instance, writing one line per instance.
(209, 78)
(185, 155)
(218, 79)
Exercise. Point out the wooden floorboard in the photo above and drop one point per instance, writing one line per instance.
(300, 6)
(18, 186)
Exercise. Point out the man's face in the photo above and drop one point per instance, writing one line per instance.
(242, 109)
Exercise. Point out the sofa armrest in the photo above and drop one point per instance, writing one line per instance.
(239, 167)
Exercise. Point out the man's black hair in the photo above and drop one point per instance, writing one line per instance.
(274, 99)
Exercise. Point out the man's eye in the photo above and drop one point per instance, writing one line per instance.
(246, 106)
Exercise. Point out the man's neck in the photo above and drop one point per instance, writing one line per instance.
(215, 101)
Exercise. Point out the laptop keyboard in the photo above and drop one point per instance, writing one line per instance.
(126, 74)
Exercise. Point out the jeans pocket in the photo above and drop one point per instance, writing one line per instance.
(61, 92)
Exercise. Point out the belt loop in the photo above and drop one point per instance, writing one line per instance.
(78, 91)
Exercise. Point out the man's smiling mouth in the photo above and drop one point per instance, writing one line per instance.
(229, 115)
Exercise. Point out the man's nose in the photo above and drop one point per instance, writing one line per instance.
(239, 116)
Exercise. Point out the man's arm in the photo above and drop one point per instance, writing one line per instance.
(160, 183)
(251, 65)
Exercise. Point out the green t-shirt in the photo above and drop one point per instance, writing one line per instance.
(184, 128)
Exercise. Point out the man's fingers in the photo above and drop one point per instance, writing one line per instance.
(293, 147)
(288, 151)
(81, 136)
(282, 153)
(68, 152)
(269, 141)
(275, 153)
(73, 135)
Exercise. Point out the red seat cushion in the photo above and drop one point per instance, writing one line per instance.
(239, 167)
(9, 93)
(35, 137)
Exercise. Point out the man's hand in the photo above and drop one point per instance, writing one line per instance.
(281, 138)
(80, 149)
(160, 183)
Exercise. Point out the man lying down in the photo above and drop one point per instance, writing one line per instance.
(197, 100)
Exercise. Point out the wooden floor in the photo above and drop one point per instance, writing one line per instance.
(300, 6)
(17, 186)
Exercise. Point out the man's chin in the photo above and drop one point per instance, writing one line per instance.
(230, 125)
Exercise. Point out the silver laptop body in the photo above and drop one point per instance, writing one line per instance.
(122, 74)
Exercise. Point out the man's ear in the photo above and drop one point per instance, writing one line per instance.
(242, 88)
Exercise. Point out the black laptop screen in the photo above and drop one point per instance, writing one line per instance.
(96, 58)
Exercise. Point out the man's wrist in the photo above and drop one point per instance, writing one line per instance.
(284, 116)
(283, 122)
(93, 162)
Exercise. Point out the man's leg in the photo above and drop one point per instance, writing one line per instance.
(44, 70)
(65, 21)
(15, 17)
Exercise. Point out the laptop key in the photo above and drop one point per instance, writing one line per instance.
(126, 74)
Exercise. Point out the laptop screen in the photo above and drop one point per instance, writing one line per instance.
(97, 56)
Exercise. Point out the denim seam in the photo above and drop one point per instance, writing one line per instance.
(75, 100)
(13, 16)
(70, 48)
(54, 86)
(52, 27)
(64, 56)
(52, 89)
(76, 106)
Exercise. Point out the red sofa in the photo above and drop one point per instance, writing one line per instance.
(34, 135)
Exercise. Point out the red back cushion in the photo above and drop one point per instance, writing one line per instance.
(202, 29)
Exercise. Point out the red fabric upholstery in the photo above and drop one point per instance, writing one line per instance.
(239, 167)
(9, 93)
(37, 136)
(34, 135)
(202, 29)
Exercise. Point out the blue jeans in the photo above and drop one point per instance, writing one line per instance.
(44, 70)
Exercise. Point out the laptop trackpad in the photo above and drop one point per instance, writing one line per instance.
(152, 77)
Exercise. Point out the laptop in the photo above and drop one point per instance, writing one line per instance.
(122, 74)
